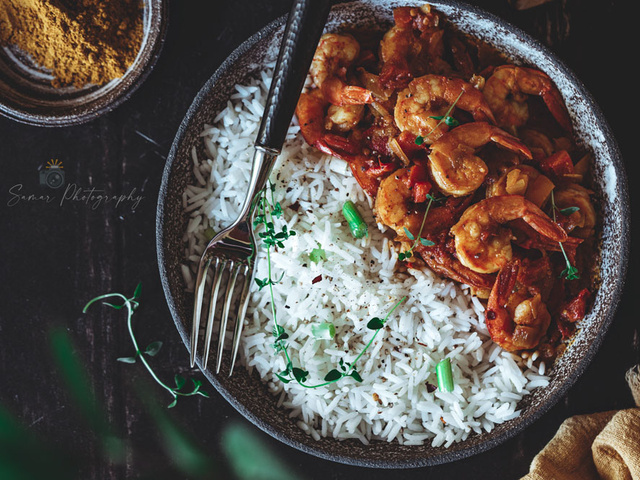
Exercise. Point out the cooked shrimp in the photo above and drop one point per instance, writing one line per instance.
(334, 55)
(343, 118)
(432, 96)
(540, 145)
(514, 322)
(441, 261)
(395, 206)
(310, 111)
(453, 163)
(413, 46)
(508, 88)
(581, 222)
(481, 241)
(523, 180)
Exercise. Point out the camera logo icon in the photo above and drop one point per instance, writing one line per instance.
(52, 175)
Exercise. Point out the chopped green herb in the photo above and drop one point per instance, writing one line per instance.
(317, 254)
(569, 210)
(444, 375)
(446, 118)
(425, 242)
(419, 140)
(209, 233)
(570, 272)
(356, 224)
(448, 121)
(323, 331)
(264, 216)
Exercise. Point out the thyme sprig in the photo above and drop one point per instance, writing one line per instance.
(447, 119)
(570, 272)
(130, 305)
(267, 212)
(425, 242)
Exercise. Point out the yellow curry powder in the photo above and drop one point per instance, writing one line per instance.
(81, 41)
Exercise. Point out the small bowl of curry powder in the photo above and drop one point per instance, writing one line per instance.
(65, 62)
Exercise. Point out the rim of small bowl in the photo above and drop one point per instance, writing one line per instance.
(99, 100)
(533, 412)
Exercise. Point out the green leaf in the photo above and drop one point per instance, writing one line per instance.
(249, 456)
(375, 324)
(137, 291)
(278, 330)
(180, 380)
(419, 140)
(204, 394)
(117, 307)
(196, 384)
(174, 403)
(409, 234)
(153, 348)
(127, 359)
(426, 243)
(333, 375)
(570, 273)
(282, 336)
(569, 210)
(282, 378)
(451, 122)
(356, 376)
(300, 374)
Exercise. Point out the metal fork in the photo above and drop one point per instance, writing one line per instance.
(233, 250)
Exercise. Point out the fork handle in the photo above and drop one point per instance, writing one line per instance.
(301, 36)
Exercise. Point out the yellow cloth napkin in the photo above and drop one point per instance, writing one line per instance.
(599, 446)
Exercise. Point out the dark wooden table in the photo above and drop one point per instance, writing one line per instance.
(54, 257)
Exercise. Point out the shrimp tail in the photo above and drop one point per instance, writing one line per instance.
(555, 104)
(544, 226)
(338, 93)
(511, 143)
(497, 318)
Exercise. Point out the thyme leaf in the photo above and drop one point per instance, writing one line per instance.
(570, 272)
(264, 217)
(130, 305)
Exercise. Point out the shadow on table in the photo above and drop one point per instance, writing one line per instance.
(25, 456)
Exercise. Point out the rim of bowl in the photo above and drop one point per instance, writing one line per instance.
(459, 450)
(115, 92)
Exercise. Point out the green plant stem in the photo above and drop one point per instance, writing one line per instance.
(375, 334)
(570, 272)
(268, 217)
(444, 117)
(130, 304)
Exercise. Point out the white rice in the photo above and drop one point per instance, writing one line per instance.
(438, 320)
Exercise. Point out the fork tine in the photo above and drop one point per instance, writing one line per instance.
(225, 312)
(219, 269)
(242, 310)
(201, 281)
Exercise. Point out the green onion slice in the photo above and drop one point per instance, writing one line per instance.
(209, 233)
(445, 376)
(323, 331)
(356, 224)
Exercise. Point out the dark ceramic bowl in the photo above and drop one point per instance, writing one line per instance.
(26, 93)
(246, 393)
